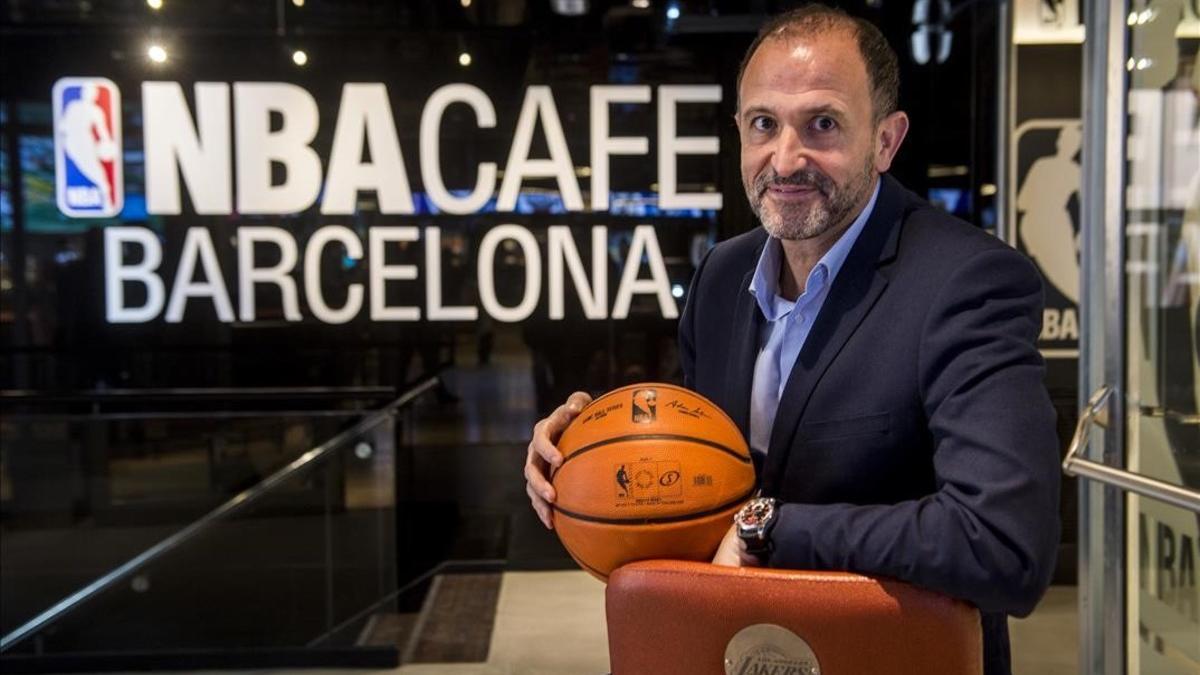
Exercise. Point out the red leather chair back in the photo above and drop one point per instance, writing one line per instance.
(668, 616)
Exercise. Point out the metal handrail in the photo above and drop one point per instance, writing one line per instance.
(237, 503)
(1096, 411)
(181, 415)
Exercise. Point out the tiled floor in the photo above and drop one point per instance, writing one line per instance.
(1047, 641)
(549, 623)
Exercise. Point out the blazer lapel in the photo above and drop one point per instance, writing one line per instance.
(739, 373)
(854, 292)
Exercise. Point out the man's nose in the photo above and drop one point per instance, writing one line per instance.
(790, 154)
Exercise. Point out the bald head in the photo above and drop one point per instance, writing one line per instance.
(816, 20)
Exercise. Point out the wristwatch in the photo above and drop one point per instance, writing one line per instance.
(754, 522)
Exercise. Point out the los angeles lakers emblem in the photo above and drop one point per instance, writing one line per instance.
(768, 648)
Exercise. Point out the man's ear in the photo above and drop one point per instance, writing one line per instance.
(889, 134)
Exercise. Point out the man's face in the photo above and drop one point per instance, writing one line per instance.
(805, 118)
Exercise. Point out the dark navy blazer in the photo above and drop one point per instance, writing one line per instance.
(915, 438)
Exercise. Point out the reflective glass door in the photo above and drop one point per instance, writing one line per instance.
(1140, 601)
(1162, 362)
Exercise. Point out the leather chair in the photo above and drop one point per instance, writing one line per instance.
(667, 616)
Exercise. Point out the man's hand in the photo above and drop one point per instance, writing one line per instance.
(542, 454)
(732, 552)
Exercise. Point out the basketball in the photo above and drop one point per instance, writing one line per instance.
(649, 471)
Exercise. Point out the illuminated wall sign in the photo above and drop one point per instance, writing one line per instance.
(201, 147)
(222, 153)
(199, 254)
(1043, 174)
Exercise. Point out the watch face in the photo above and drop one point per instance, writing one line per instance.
(755, 514)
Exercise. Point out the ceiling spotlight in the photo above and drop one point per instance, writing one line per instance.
(465, 3)
(299, 57)
(157, 54)
(673, 12)
(464, 59)
(154, 4)
(641, 4)
(298, 3)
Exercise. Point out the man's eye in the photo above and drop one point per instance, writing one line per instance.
(761, 123)
(824, 124)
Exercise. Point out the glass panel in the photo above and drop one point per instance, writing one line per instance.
(311, 565)
(285, 572)
(1162, 231)
(1163, 628)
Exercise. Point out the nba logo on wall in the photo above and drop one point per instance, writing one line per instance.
(87, 147)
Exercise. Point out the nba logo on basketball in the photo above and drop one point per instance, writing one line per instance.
(87, 147)
(645, 405)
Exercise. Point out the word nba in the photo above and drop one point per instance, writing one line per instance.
(87, 147)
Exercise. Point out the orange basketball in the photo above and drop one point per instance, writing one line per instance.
(649, 471)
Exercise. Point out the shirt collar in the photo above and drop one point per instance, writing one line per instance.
(764, 284)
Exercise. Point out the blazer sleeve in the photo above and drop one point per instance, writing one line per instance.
(989, 533)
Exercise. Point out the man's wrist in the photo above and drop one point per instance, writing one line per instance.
(754, 524)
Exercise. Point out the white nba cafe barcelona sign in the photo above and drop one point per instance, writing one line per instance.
(222, 155)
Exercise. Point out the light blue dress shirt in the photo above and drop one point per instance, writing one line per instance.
(788, 323)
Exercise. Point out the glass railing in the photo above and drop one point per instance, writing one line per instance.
(256, 537)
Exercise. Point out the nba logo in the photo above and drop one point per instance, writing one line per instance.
(87, 147)
(645, 406)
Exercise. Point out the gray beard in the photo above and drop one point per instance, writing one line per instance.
(812, 220)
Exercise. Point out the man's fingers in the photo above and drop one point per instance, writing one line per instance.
(540, 507)
(536, 475)
(536, 481)
(547, 432)
(543, 456)
(578, 401)
(544, 436)
(558, 420)
(544, 453)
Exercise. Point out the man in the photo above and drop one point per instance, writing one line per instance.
(878, 353)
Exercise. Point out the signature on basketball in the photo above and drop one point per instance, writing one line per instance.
(602, 413)
(682, 408)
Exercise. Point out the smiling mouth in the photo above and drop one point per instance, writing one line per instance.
(793, 192)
